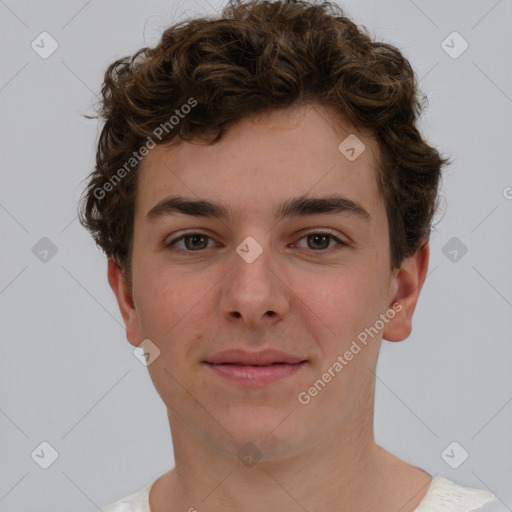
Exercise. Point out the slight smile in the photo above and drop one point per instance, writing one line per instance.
(254, 369)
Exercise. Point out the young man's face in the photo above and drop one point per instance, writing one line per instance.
(307, 296)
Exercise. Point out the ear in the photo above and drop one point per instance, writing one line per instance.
(125, 302)
(408, 283)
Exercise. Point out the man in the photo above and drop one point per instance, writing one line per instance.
(265, 199)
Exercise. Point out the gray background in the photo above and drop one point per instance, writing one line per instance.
(68, 375)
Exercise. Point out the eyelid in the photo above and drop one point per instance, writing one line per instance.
(185, 234)
(321, 231)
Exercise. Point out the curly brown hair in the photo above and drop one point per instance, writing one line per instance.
(256, 57)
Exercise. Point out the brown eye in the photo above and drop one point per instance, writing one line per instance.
(191, 242)
(196, 241)
(319, 241)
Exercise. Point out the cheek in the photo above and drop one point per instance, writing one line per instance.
(178, 311)
(163, 300)
(346, 301)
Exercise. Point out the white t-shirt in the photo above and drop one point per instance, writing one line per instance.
(443, 495)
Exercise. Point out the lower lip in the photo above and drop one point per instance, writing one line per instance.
(255, 375)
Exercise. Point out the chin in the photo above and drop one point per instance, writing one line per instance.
(271, 432)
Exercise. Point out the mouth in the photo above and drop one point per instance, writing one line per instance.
(256, 365)
(266, 357)
(254, 369)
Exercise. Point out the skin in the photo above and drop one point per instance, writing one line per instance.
(298, 296)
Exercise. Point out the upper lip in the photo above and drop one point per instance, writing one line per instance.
(243, 357)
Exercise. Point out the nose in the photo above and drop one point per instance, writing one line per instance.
(254, 292)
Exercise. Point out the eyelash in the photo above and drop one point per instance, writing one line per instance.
(171, 244)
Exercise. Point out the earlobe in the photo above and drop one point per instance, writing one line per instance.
(409, 282)
(125, 301)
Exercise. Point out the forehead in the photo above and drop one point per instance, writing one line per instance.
(265, 159)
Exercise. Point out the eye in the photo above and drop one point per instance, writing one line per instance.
(196, 239)
(319, 240)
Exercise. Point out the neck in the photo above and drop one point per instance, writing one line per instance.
(347, 472)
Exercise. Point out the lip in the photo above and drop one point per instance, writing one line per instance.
(255, 376)
(254, 369)
(245, 358)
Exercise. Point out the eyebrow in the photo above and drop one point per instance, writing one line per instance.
(294, 207)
